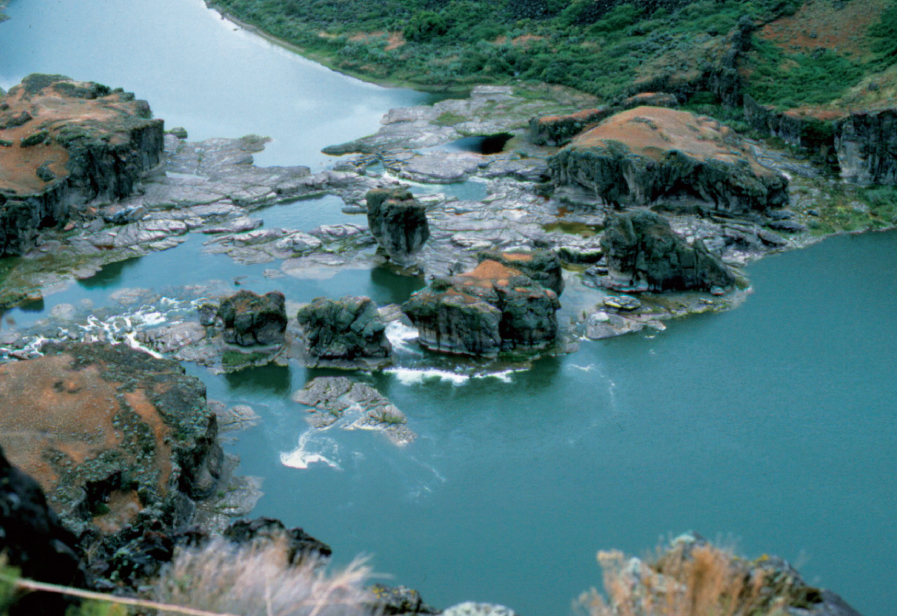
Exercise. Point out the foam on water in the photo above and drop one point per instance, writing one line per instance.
(310, 450)
(400, 336)
(417, 376)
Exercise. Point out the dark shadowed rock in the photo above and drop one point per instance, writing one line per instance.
(250, 319)
(34, 541)
(645, 254)
(650, 155)
(397, 221)
(543, 266)
(399, 601)
(75, 143)
(490, 309)
(347, 329)
(301, 545)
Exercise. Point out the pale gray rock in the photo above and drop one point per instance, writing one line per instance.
(469, 608)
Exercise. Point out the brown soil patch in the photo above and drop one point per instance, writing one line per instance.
(123, 508)
(526, 39)
(517, 256)
(655, 131)
(395, 40)
(819, 25)
(364, 36)
(49, 110)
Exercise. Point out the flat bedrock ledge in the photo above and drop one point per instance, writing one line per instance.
(94, 147)
(651, 155)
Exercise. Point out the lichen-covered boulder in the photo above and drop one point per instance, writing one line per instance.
(110, 432)
(542, 265)
(397, 221)
(490, 309)
(346, 329)
(651, 155)
(250, 319)
(645, 254)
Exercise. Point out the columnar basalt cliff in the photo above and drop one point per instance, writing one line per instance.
(645, 254)
(866, 145)
(63, 145)
(490, 309)
(651, 155)
(250, 319)
(560, 129)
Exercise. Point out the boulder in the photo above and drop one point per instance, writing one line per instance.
(74, 143)
(346, 329)
(651, 155)
(397, 221)
(543, 266)
(34, 541)
(866, 145)
(300, 545)
(490, 309)
(645, 254)
(250, 319)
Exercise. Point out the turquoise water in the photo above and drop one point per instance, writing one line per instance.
(773, 424)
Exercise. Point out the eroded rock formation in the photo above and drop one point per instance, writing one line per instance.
(645, 254)
(560, 129)
(63, 145)
(490, 309)
(344, 330)
(250, 319)
(651, 155)
(397, 221)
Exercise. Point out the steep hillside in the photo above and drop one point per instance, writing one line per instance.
(789, 52)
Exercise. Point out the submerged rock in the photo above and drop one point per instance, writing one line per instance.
(650, 155)
(250, 319)
(543, 266)
(645, 254)
(76, 142)
(397, 221)
(335, 400)
(489, 309)
(344, 330)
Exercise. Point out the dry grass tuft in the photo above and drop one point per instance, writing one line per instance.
(257, 580)
(688, 579)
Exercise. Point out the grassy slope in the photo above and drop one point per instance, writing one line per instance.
(599, 47)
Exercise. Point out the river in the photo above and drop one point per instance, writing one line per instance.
(771, 426)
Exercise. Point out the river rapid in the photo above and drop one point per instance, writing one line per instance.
(771, 426)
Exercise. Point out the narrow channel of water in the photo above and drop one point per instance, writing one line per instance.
(773, 423)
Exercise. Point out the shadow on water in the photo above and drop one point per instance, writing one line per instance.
(394, 287)
(265, 380)
(111, 275)
(488, 144)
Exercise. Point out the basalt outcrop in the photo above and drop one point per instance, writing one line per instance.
(866, 146)
(111, 434)
(542, 265)
(250, 319)
(651, 155)
(558, 130)
(397, 221)
(490, 309)
(344, 332)
(67, 144)
(645, 254)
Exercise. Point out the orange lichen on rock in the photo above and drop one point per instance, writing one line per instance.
(49, 110)
(654, 131)
(488, 274)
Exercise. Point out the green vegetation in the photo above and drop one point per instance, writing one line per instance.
(598, 48)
